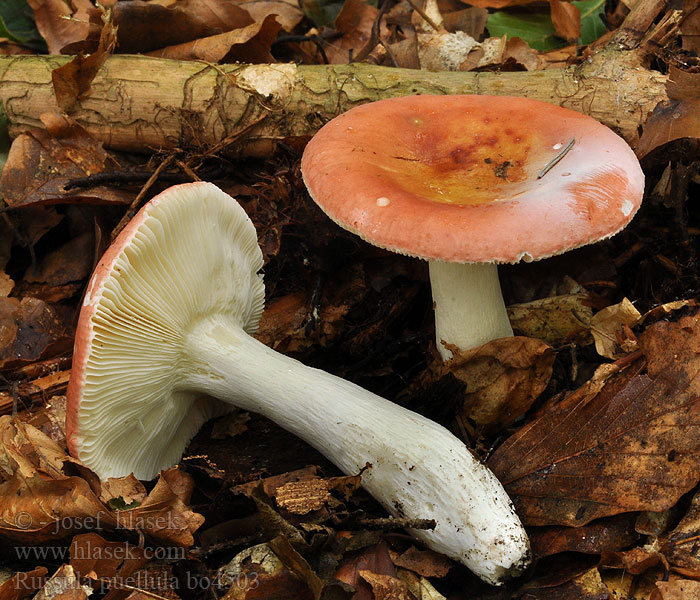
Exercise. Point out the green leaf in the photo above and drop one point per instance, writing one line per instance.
(322, 12)
(17, 24)
(537, 28)
(121, 504)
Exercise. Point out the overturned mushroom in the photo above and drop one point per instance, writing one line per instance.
(163, 344)
(467, 182)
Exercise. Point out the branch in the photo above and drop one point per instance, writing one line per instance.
(139, 103)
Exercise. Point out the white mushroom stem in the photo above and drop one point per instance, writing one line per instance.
(469, 307)
(418, 468)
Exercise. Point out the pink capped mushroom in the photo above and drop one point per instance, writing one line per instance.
(467, 182)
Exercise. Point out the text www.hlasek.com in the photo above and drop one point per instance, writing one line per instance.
(89, 552)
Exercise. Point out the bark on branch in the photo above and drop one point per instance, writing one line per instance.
(139, 103)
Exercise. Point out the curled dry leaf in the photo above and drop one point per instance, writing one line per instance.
(249, 44)
(424, 562)
(634, 561)
(566, 19)
(503, 378)
(619, 443)
(354, 21)
(125, 490)
(164, 514)
(372, 560)
(677, 589)
(680, 547)
(93, 557)
(62, 26)
(386, 587)
(611, 329)
(72, 81)
(554, 320)
(610, 533)
(41, 162)
(31, 329)
(419, 586)
(287, 12)
(677, 119)
(64, 585)
(23, 584)
(147, 26)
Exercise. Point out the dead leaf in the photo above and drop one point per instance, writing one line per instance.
(619, 443)
(681, 545)
(23, 584)
(164, 515)
(634, 561)
(374, 559)
(288, 12)
(611, 329)
(148, 26)
(126, 490)
(6, 284)
(30, 330)
(424, 562)
(62, 26)
(46, 504)
(250, 44)
(554, 320)
(503, 378)
(690, 26)
(386, 587)
(354, 21)
(63, 585)
(588, 586)
(42, 162)
(519, 56)
(678, 589)
(566, 19)
(71, 82)
(679, 118)
(91, 556)
(60, 273)
(419, 586)
(297, 564)
(471, 21)
(230, 425)
(611, 533)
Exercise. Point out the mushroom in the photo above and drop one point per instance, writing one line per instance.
(163, 343)
(467, 182)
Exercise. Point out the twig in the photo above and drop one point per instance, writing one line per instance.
(137, 201)
(557, 158)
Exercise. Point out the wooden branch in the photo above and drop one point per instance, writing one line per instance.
(139, 103)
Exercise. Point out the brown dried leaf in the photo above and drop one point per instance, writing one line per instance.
(588, 586)
(619, 443)
(611, 329)
(62, 26)
(471, 21)
(71, 82)
(41, 162)
(635, 561)
(503, 378)
(354, 21)
(681, 545)
(45, 504)
(498, 3)
(63, 585)
(424, 562)
(6, 284)
(164, 515)
(31, 330)
(94, 557)
(230, 425)
(127, 489)
(21, 585)
(566, 19)
(612, 533)
(147, 26)
(518, 55)
(270, 484)
(386, 587)
(678, 589)
(374, 559)
(690, 26)
(555, 320)
(288, 12)
(250, 44)
(678, 119)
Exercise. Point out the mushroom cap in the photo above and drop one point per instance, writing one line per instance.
(455, 178)
(191, 251)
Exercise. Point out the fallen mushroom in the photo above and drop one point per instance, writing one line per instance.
(467, 182)
(163, 344)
